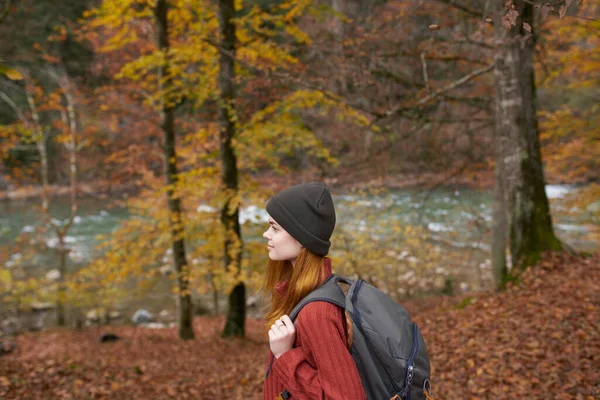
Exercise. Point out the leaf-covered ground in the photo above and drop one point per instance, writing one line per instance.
(540, 340)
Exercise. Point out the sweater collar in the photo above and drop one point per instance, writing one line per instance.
(282, 286)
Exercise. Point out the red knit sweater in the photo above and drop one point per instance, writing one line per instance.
(320, 365)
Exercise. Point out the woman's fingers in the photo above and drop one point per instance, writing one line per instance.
(287, 322)
(281, 336)
(277, 332)
(282, 328)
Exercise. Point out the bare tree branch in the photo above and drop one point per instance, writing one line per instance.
(381, 70)
(288, 78)
(556, 3)
(580, 17)
(462, 7)
(460, 120)
(442, 57)
(378, 115)
(16, 109)
(481, 103)
(438, 92)
(477, 43)
(425, 76)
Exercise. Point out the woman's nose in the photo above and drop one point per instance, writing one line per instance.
(265, 234)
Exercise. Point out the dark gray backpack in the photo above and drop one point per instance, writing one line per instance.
(387, 347)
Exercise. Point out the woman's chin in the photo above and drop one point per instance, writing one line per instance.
(274, 257)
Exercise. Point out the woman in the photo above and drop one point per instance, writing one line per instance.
(309, 358)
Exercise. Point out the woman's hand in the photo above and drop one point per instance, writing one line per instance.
(282, 335)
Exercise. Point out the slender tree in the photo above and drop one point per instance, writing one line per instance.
(63, 103)
(236, 313)
(167, 124)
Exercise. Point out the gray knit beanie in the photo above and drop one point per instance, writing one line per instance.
(306, 212)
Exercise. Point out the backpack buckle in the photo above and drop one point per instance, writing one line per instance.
(283, 395)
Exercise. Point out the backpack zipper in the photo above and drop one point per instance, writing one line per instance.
(410, 368)
(355, 294)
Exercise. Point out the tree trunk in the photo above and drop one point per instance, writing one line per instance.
(236, 313)
(69, 119)
(185, 309)
(500, 223)
(40, 141)
(61, 319)
(215, 291)
(521, 183)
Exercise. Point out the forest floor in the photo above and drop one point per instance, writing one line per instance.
(537, 340)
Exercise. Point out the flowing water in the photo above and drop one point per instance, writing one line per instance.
(456, 219)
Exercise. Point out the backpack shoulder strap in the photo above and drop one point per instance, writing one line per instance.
(330, 291)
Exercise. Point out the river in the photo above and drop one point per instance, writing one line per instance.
(457, 219)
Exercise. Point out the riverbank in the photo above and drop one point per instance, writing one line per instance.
(342, 182)
(535, 341)
(99, 190)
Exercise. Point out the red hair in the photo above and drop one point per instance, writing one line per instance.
(305, 276)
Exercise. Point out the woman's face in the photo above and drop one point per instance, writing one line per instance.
(282, 246)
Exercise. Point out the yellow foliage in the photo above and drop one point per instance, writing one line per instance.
(5, 280)
(136, 251)
(570, 134)
(571, 144)
(20, 293)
